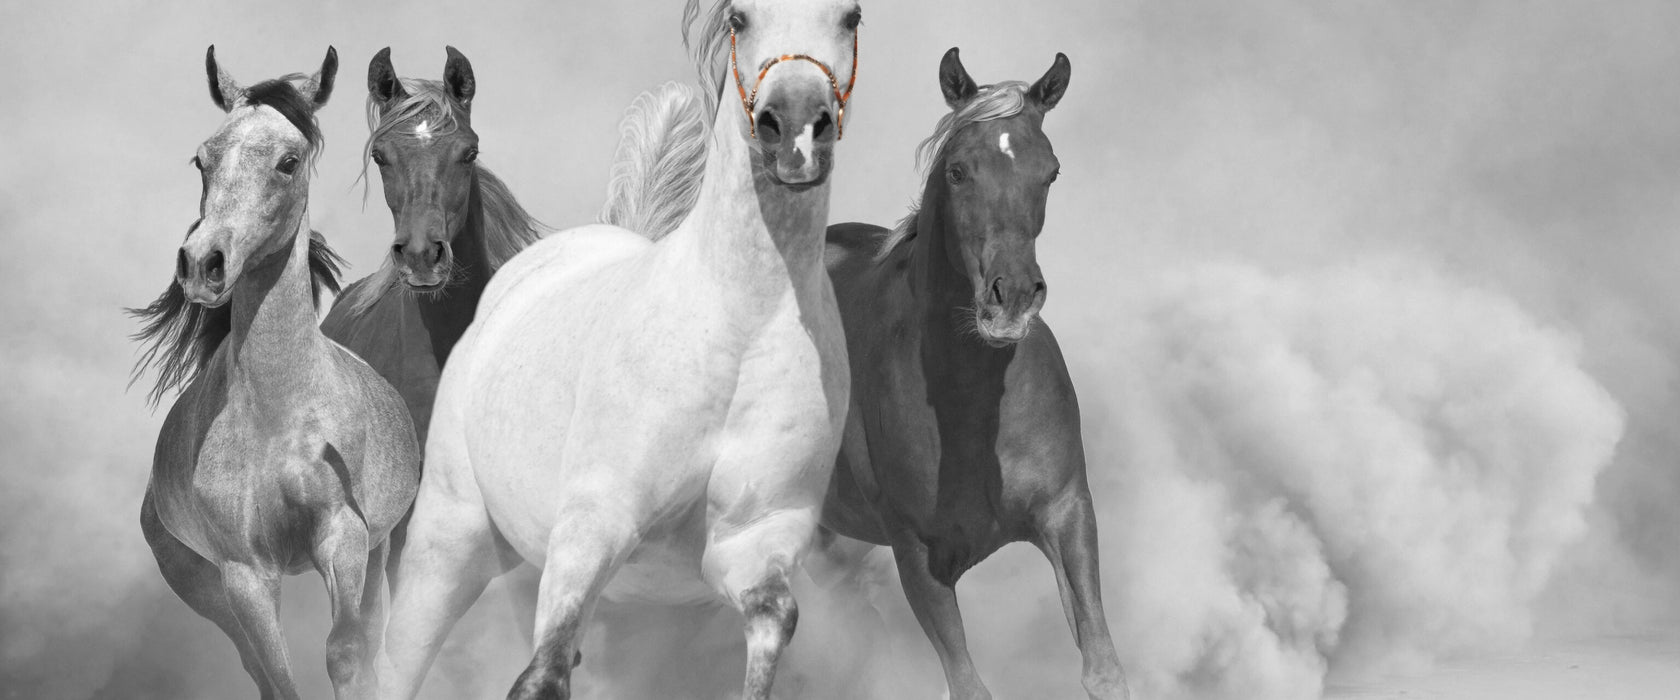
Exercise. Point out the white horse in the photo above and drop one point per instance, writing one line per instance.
(654, 420)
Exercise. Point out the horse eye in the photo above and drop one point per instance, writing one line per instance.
(1056, 174)
(853, 19)
(379, 159)
(737, 22)
(956, 174)
(470, 156)
(288, 165)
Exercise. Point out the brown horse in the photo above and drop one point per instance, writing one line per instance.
(285, 451)
(963, 433)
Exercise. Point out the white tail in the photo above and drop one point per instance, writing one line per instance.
(660, 160)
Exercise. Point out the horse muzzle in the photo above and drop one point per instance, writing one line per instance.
(1005, 311)
(425, 265)
(203, 276)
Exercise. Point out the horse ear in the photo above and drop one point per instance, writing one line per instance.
(321, 84)
(223, 91)
(954, 80)
(382, 78)
(458, 75)
(1048, 90)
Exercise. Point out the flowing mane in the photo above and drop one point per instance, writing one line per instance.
(508, 228)
(708, 47)
(662, 149)
(180, 337)
(999, 101)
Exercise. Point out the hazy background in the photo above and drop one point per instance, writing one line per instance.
(1369, 306)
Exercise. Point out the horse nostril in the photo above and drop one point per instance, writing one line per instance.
(438, 251)
(997, 291)
(1038, 287)
(181, 267)
(822, 125)
(213, 270)
(396, 250)
(769, 125)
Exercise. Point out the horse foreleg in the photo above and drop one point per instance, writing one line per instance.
(585, 547)
(198, 583)
(935, 604)
(1069, 541)
(451, 554)
(254, 596)
(748, 559)
(341, 555)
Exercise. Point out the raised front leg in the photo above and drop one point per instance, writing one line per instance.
(586, 546)
(935, 604)
(341, 556)
(1069, 541)
(199, 584)
(452, 553)
(748, 560)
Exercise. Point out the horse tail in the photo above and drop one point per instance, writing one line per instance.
(660, 160)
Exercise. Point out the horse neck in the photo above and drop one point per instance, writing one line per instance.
(447, 314)
(747, 230)
(273, 328)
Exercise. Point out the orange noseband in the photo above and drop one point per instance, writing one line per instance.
(749, 101)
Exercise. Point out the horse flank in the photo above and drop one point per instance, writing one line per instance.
(508, 228)
(999, 101)
(180, 337)
(660, 162)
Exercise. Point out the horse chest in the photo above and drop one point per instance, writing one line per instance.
(248, 486)
(939, 447)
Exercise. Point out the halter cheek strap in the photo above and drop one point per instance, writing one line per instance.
(748, 102)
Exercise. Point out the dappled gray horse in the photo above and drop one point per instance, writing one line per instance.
(285, 451)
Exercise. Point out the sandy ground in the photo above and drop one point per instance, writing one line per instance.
(1621, 668)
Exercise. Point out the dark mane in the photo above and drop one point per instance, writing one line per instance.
(180, 337)
(284, 98)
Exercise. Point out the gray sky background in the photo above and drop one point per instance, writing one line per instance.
(1463, 187)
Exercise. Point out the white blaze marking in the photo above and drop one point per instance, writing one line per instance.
(1003, 145)
(423, 131)
(802, 142)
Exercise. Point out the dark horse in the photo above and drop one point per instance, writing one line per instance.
(455, 224)
(285, 451)
(964, 429)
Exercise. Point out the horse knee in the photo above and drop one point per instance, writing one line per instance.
(771, 612)
(346, 657)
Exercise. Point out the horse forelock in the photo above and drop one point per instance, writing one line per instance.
(999, 101)
(283, 96)
(426, 101)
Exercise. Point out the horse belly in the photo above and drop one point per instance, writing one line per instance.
(665, 567)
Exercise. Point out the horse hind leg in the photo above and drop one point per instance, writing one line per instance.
(1069, 541)
(585, 547)
(198, 583)
(341, 555)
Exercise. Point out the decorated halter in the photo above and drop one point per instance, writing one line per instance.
(749, 101)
